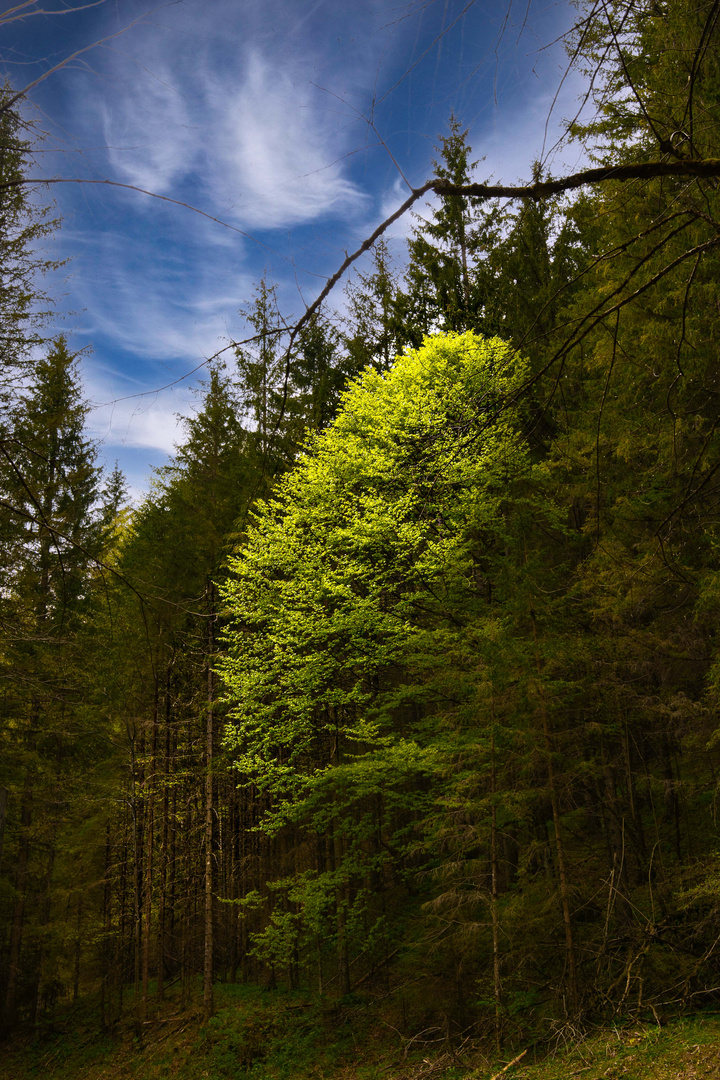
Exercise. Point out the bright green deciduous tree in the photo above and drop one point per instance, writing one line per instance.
(362, 553)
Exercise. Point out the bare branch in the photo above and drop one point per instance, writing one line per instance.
(33, 181)
(709, 167)
(702, 48)
(543, 189)
(7, 105)
(19, 12)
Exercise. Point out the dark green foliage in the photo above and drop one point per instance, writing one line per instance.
(470, 671)
(377, 316)
(49, 485)
(444, 276)
(51, 536)
(24, 305)
(561, 684)
(261, 371)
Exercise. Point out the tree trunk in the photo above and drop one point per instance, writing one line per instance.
(18, 911)
(149, 793)
(162, 902)
(494, 900)
(559, 847)
(3, 811)
(105, 951)
(42, 924)
(208, 964)
(137, 889)
(78, 950)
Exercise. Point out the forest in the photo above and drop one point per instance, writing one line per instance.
(401, 684)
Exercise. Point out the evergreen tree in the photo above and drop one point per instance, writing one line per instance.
(51, 536)
(536, 263)
(165, 700)
(449, 283)
(376, 332)
(317, 376)
(23, 224)
(261, 371)
(50, 482)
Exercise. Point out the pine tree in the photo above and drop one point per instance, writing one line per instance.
(50, 536)
(377, 331)
(261, 370)
(173, 554)
(448, 280)
(317, 376)
(23, 224)
(50, 485)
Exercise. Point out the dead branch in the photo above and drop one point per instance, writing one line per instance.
(509, 1065)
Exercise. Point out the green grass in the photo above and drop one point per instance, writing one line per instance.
(258, 1034)
(684, 1049)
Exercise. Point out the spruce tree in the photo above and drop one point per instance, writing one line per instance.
(50, 537)
(24, 303)
(261, 370)
(448, 283)
(376, 331)
(50, 483)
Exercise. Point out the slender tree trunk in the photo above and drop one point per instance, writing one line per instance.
(147, 906)
(137, 890)
(559, 846)
(341, 921)
(105, 951)
(464, 263)
(78, 949)
(189, 877)
(208, 959)
(3, 812)
(564, 891)
(494, 899)
(42, 924)
(162, 902)
(175, 901)
(149, 792)
(120, 942)
(21, 880)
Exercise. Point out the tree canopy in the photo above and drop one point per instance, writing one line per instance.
(405, 670)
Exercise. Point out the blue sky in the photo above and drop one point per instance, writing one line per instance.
(256, 112)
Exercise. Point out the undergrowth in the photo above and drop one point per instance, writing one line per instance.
(259, 1034)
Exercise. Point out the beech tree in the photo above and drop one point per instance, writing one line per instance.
(357, 554)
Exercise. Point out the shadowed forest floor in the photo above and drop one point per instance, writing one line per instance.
(263, 1035)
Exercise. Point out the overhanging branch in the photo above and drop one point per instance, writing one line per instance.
(542, 189)
(692, 168)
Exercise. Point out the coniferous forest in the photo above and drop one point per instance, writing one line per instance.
(402, 683)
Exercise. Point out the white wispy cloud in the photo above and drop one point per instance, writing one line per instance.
(395, 196)
(149, 133)
(151, 300)
(272, 155)
(153, 425)
(124, 416)
(216, 105)
(279, 153)
(521, 135)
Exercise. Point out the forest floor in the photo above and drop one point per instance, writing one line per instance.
(263, 1035)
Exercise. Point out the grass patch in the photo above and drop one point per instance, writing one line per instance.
(259, 1034)
(683, 1049)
